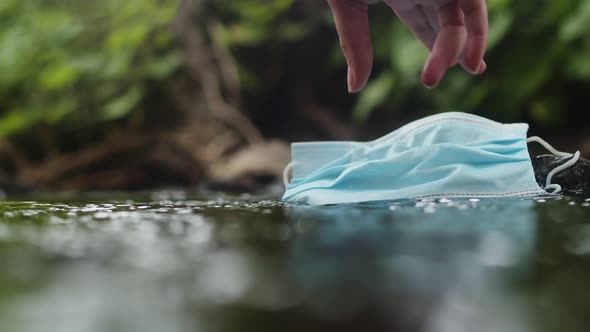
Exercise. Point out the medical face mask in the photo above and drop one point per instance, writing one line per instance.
(445, 155)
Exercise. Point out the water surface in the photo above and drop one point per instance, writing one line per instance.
(168, 261)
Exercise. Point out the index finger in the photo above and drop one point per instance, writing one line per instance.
(476, 23)
(352, 23)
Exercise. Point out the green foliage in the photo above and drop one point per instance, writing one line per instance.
(72, 62)
(375, 93)
(83, 60)
(261, 25)
(253, 22)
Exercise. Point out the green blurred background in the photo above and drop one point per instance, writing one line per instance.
(143, 93)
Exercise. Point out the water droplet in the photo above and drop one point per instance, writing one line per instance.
(226, 277)
(579, 243)
(101, 215)
(176, 227)
(497, 250)
(4, 232)
(430, 209)
(420, 204)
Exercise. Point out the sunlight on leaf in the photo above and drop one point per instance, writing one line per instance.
(123, 105)
(374, 94)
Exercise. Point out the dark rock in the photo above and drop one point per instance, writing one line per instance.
(256, 168)
(575, 181)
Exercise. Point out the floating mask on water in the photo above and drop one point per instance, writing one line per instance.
(445, 155)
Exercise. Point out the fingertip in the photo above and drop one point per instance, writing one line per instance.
(430, 79)
(474, 52)
(476, 24)
(482, 68)
(359, 72)
(429, 82)
(353, 85)
(352, 23)
(435, 69)
(356, 88)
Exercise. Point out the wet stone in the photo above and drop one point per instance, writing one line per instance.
(574, 181)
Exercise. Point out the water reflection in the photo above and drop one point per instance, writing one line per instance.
(432, 271)
(173, 263)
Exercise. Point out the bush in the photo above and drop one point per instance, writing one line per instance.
(72, 62)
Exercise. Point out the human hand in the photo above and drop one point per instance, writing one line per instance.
(455, 31)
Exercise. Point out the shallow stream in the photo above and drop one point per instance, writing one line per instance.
(171, 261)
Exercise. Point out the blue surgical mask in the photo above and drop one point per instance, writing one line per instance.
(445, 155)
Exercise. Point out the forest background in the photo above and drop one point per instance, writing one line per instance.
(151, 93)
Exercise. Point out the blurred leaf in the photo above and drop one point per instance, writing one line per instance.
(500, 24)
(162, 67)
(129, 37)
(576, 25)
(17, 120)
(57, 77)
(123, 105)
(64, 58)
(290, 31)
(578, 66)
(408, 54)
(244, 34)
(58, 110)
(548, 111)
(373, 95)
(8, 6)
(12, 122)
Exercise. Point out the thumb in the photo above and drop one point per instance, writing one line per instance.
(352, 23)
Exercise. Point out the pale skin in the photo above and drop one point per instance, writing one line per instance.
(454, 31)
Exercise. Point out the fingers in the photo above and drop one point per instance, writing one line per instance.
(415, 18)
(352, 23)
(457, 32)
(476, 23)
(448, 46)
(460, 32)
(432, 17)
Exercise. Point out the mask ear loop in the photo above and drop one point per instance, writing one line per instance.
(287, 173)
(575, 158)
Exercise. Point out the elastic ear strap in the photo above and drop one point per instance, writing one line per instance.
(575, 158)
(286, 174)
(537, 139)
(562, 167)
